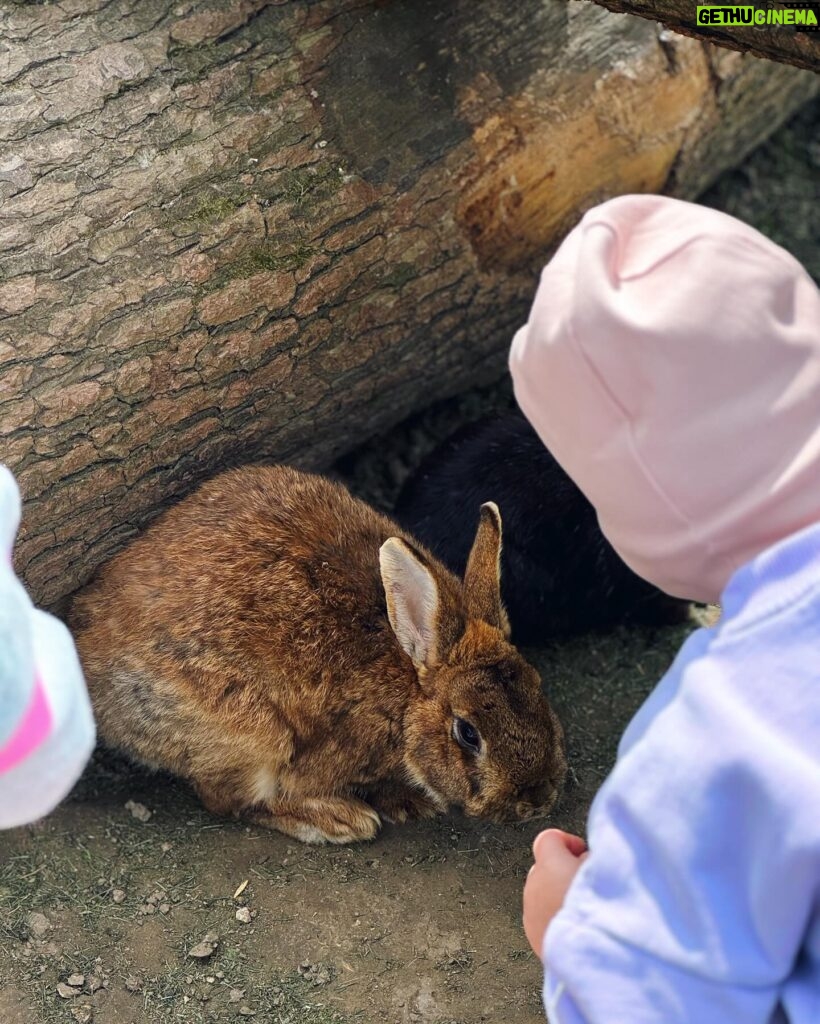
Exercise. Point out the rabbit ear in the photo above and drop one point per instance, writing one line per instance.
(413, 602)
(482, 578)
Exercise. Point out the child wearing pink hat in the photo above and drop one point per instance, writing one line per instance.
(671, 363)
(46, 725)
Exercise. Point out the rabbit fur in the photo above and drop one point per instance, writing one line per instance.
(305, 663)
(559, 573)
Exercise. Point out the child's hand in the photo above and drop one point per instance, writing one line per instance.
(558, 856)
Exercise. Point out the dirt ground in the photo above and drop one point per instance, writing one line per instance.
(102, 914)
(420, 925)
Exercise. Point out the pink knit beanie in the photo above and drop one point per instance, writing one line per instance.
(671, 363)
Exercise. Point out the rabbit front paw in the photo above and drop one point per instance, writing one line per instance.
(329, 819)
(398, 804)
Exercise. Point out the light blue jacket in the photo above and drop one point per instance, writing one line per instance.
(700, 900)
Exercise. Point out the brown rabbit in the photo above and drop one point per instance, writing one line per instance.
(304, 663)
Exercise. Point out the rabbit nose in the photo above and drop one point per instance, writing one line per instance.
(536, 800)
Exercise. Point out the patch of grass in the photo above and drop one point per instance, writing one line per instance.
(211, 206)
(31, 881)
(310, 184)
(183, 992)
(290, 999)
(215, 208)
(272, 258)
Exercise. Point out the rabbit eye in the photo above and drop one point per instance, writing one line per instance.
(466, 735)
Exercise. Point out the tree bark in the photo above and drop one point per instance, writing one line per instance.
(252, 229)
(802, 49)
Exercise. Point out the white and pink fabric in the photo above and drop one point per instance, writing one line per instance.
(46, 724)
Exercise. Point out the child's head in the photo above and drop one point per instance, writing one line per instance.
(671, 363)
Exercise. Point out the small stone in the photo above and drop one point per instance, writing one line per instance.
(66, 991)
(118, 896)
(76, 980)
(133, 983)
(374, 863)
(164, 908)
(166, 847)
(94, 984)
(210, 979)
(138, 811)
(206, 947)
(189, 979)
(82, 1014)
(220, 974)
(246, 1011)
(316, 974)
(39, 925)
(236, 995)
(147, 909)
(244, 916)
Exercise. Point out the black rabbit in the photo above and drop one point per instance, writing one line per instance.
(559, 573)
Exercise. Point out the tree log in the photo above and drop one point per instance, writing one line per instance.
(256, 229)
(802, 49)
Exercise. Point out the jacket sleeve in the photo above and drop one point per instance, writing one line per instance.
(46, 725)
(705, 841)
